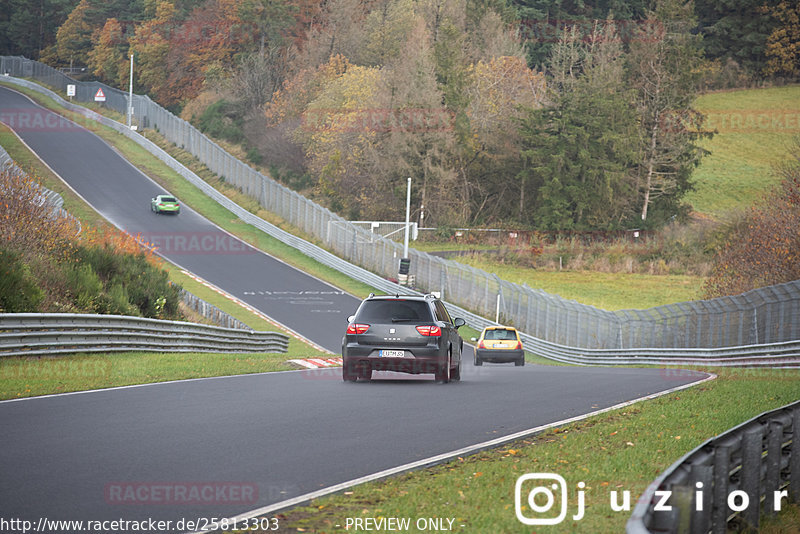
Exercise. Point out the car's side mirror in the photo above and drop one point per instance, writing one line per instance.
(459, 322)
(350, 319)
(473, 339)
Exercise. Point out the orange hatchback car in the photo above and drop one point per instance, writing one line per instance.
(499, 344)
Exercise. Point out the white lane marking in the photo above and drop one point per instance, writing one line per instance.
(256, 312)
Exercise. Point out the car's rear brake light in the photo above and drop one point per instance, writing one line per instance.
(519, 345)
(355, 328)
(429, 330)
(481, 345)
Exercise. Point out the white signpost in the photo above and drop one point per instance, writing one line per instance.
(70, 90)
(99, 96)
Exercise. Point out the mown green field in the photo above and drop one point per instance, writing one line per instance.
(756, 128)
(608, 291)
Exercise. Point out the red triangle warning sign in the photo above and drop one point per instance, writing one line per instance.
(100, 96)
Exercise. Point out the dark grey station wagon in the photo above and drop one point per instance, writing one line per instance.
(404, 333)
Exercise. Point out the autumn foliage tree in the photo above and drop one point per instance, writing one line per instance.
(74, 37)
(177, 55)
(500, 89)
(783, 44)
(392, 89)
(107, 58)
(764, 248)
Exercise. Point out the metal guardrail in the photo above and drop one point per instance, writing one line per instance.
(782, 355)
(32, 334)
(728, 479)
(766, 314)
(211, 312)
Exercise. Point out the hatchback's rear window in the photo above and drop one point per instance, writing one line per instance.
(168, 199)
(500, 334)
(388, 311)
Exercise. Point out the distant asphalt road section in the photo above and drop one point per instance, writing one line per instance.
(122, 193)
(220, 447)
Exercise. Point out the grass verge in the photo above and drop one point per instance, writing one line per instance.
(31, 376)
(619, 451)
(756, 128)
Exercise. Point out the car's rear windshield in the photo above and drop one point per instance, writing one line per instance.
(168, 199)
(394, 311)
(499, 334)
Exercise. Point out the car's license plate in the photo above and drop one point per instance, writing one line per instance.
(392, 354)
(501, 345)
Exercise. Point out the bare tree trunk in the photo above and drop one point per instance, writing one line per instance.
(650, 170)
(466, 198)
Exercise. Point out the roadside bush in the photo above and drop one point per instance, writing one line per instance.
(139, 283)
(254, 156)
(27, 225)
(84, 286)
(222, 120)
(115, 301)
(19, 292)
(764, 248)
(45, 267)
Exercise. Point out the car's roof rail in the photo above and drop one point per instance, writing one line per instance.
(401, 295)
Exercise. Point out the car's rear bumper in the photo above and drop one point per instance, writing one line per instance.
(417, 359)
(500, 355)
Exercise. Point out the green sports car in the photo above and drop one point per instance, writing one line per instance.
(165, 203)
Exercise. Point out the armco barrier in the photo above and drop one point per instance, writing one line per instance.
(211, 312)
(33, 334)
(732, 478)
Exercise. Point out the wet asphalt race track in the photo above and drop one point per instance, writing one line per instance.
(220, 447)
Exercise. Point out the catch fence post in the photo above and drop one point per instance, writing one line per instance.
(751, 475)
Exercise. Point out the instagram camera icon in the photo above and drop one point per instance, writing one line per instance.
(547, 483)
